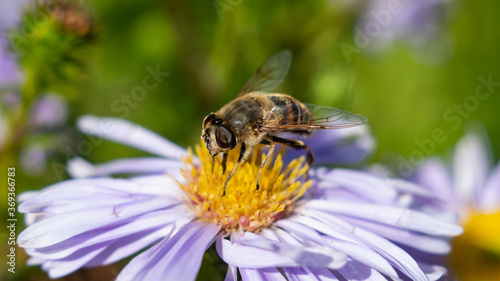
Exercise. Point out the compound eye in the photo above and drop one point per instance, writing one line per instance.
(225, 138)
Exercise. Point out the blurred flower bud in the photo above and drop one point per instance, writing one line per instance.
(49, 112)
(33, 159)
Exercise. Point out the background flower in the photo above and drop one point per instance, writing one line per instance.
(470, 187)
(417, 24)
(471, 183)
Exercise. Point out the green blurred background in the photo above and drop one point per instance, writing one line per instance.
(211, 48)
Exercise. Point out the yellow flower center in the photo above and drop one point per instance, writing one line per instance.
(243, 206)
(476, 253)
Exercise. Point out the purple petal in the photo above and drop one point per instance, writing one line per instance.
(232, 273)
(396, 256)
(471, 165)
(125, 132)
(365, 185)
(297, 273)
(489, 200)
(394, 216)
(423, 242)
(264, 274)
(174, 258)
(304, 228)
(9, 70)
(159, 222)
(355, 270)
(346, 146)
(83, 194)
(261, 253)
(79, 168)
(58, 269)
(309, 273)
(10, 13)
(434, 175)
(45, 233)
(78, 206)
(407, 187)
(104, 246)
(128, 245)
(433, 272)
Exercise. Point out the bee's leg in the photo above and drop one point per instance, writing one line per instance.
(224, 159)
(244, 153)
(269, 155)
(294, 144)
(213, 162)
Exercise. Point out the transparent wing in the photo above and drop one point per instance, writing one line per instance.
(269, 75)
(317, 117)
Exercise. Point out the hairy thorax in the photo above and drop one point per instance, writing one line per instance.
(245, 115)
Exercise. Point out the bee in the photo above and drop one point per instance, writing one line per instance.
(256, 116)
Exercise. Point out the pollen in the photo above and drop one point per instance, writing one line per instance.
(243, 206)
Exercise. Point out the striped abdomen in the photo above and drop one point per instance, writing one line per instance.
(290, 111)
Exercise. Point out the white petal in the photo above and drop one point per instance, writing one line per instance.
(125, 132)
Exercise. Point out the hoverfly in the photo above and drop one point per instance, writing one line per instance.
(256, 116)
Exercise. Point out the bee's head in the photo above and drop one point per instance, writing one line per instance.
(217, 135)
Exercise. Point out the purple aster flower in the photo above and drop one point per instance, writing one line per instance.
(471, 188)
(10, 15)
(339, 225)
(419, 24)
(49, 112)
(33, 159)
(11, 11)
(471, 184)
(9, 70)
